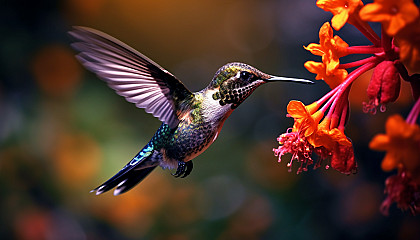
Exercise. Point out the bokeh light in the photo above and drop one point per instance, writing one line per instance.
(63, 131)
(56, 70)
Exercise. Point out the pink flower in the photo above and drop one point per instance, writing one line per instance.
(342, 159)
(296, 144)
(403, 191)
(384, 86)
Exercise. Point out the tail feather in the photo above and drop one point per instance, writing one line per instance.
(131, 174)
(133, 177)
(124, 180)
(112, 182)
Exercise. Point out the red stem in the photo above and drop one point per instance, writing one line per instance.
(414, 113)
(330, 101)
(343, 117)
(386, 41)
(366, 30)
(327, 96)
(364, 50)
(336, 113)
(357, 63)
(353, 76)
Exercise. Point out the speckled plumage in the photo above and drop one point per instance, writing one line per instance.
(191, 121)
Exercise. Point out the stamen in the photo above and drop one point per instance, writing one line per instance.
(382, 108)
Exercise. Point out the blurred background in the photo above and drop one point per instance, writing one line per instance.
(63, 131)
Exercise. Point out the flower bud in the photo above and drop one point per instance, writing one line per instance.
(342, 159)
(384, 86)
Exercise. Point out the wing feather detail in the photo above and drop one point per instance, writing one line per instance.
(131, 74)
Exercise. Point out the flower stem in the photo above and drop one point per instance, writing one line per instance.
(357, 63)
(335, 113)
(330, 101)
(386, 41)
(343, 117)
(366, 30)
(356, 73)
(364, 50)
(327, 96)
(414, 113)
(349, 80)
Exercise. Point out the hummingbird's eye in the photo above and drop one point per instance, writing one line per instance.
(246, 75)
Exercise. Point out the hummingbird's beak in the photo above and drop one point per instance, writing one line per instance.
(287, 79)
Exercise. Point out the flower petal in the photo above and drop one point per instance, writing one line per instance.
(380, 142)
(393, 15)
(396, 126)
(408, 40)
(315, 49)
(389, 162)
(342, 159)
(296, 109)
(316, 67)
(373, 12)
(336, 77)
(339, 20)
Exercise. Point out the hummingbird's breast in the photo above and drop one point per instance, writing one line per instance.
(198, 128)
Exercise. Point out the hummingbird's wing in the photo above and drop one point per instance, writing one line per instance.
(131, 74)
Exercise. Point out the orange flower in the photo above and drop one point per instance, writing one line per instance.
(309, 136)
(306, 117)
(342, 10)
(331, 48)
(327, 137)
(337, 144)
(294, 141)
(408, 40)
(318, 134)
(401, 142)
(333, 79)
(393, 15)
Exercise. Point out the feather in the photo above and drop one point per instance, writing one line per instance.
(132, 173)
(131, 74)
(132, 179)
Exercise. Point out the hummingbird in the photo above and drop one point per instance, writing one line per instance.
(191, 121)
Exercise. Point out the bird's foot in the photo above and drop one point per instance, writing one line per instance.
(184, 169)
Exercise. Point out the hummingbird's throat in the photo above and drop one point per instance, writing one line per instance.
(234, 94)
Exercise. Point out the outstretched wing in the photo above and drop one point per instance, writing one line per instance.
(131, 74)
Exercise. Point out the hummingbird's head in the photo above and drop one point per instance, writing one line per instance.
(234, 82)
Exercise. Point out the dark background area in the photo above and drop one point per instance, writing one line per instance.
(63, 131)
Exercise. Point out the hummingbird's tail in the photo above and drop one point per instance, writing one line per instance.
(131, 174)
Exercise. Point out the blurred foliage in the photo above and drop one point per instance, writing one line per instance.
(63, 132)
